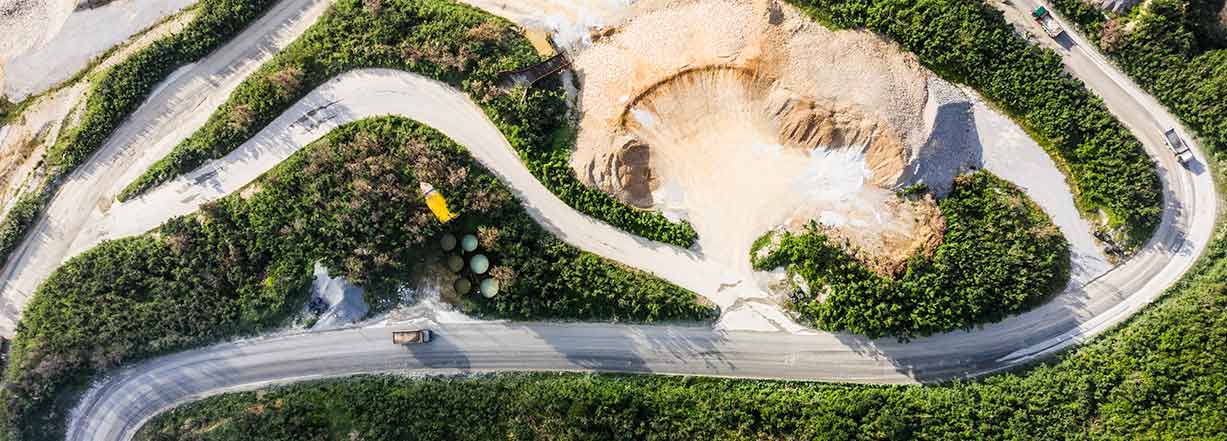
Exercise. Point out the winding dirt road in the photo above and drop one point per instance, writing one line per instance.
(117, 406)
(173, 111)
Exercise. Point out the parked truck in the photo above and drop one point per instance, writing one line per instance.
(1178, 147)
(411, 336)
(1046, 21)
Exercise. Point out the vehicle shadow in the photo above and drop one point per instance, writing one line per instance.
(1195, 166)
(1065, 41)
(439, 353)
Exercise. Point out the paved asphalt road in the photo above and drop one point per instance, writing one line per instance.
(117, 406)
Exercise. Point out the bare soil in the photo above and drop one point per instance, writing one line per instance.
(744, 115)
(23, 141)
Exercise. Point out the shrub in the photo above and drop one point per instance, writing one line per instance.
(349, 201)
(1000, 255)
(455, 44)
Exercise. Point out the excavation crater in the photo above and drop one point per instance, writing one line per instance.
(742, 117)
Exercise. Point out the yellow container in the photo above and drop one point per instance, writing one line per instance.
(436, 203)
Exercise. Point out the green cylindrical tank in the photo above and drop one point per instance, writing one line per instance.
(463, 286)
(455, 263)
(448, 242)
(479, 264)
(489, 288)
(468, 243)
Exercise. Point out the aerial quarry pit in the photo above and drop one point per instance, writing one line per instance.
(744, 116)
(213, 197)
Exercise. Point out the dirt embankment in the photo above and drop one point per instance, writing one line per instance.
(743, 116)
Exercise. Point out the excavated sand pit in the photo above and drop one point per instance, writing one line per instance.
(743, 116)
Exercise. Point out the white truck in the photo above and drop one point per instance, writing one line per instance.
(1046, 21)
(1178, 147)
(411, 336)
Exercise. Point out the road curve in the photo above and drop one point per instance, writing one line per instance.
(178, 106)
(116, 407)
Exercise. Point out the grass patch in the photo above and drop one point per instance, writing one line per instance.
(1160, 375)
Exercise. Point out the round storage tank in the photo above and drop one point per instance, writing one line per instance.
(463, 286)
(448, 242)
(468, 243)
(489, 288)
(479, 264)
(455, 263)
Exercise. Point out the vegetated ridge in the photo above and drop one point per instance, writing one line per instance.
(242, 263)
(455, 44)
(1000, 255)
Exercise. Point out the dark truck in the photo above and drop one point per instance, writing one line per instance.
(1178, 147)
(1050, 25)
(411, 336)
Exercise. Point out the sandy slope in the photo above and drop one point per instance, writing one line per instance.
(28, 23)
(569, 20)
(69, 231)
(83, 35)
(25, 139)
(118, 405)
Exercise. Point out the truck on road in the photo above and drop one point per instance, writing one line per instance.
(1046, 21)
(411, 336)
(1178, 147)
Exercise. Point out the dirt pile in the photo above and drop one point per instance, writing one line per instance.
(1222, 17)
(810, 124)
(742, 116)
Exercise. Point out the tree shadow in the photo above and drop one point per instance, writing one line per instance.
(670, 349)
(953, 147)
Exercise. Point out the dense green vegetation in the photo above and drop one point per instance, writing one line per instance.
(970, 43)
(1176, 49)
(1000, 255)
(350, 201)
(1162, 376)
(455, 44)
(118, 92)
